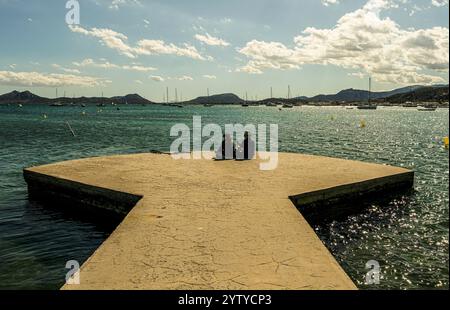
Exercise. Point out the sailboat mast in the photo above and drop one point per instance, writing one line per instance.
(370, 89)
(167, 94)
(271, 92)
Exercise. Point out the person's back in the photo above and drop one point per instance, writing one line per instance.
(227, 150)
(247, 149)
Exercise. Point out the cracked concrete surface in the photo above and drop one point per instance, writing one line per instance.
(213, 225)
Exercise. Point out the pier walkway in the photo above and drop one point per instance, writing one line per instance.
(201, 224)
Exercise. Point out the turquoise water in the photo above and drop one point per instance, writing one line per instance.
(407, 234)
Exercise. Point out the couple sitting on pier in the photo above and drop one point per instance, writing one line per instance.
(245, 150)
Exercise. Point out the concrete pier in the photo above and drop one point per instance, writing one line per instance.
(200, 224)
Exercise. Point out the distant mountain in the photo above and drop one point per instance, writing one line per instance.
(217, 99)
(27, 97)
(410, 93)
(131, 99)
(351, 95)
(435, 93)
(21, 97)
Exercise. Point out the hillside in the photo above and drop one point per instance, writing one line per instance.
(21, 97)
(438, 94)
(27, 97)
(351, 95)
(217, 99)
(400, 95)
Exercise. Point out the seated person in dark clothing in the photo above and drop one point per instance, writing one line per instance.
(247, 149)
(227, 150)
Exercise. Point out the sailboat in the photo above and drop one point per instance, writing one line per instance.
(245, 104)
(430, 107)
(207, 105)
(101, 104)
(410, 104)
(427, 109)
(369, 105)
(57, 103)
(287, 105)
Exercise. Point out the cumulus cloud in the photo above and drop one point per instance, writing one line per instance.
(104, 64)
(109, 38)
(329, 2)
(363, 41)
(210, 40)
(88, 62)
(439, 3)
(157, 78)
(67, 70)
(118, 42)
(138, 68)
(29, 79)
(116, 4)
(185, 78)
(159, 47)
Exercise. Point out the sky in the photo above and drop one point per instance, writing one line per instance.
(239, 46)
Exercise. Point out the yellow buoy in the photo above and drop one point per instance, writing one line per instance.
(362, 124)
(445, 140)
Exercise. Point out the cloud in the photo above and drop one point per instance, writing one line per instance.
(329, 2)
(361, 40)
(109, 38)
(358, 75)
(138, 68)
(107, 65)
(116, 4)
(67, 70)
(159, 47)
(157, 78)
(210, 40)
(251, 68)
(185, 78)
(439, 3)
(226, 20)
(210, 77)
(118, 42)
(48, 80)
(91, 63)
